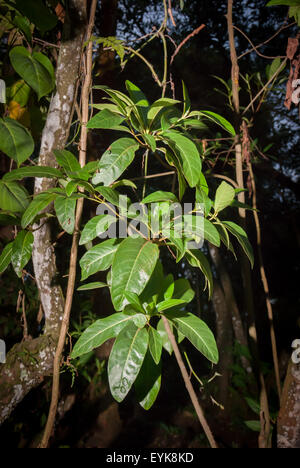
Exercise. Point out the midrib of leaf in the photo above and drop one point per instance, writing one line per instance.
(133, 267)
(119, 157)
(130, 349)
(191, 328)
(105, 329)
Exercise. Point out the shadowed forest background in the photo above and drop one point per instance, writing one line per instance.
(230, 392)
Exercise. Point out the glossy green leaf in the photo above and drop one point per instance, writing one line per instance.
(148, 382)
(65, 212)
(224, 196)
(67, 160)
(5, 257)
(198, 260)
(19, 92)
(115, 161)
(158, 105)
(197, 332)
(15, 140)
(160, 197)
(183, 291)
(187, 155)
(99, 332)
(126, 359)
(150, 141)
(132, 267)
(241, 236)
(134, 301)
(98, 258)
(38, 204)
(200, 228)
(169, 304)
(32, 70)
(21, 251)
(186, 99)
(216, 118)
(32, 171)
(164, 336)
(13, 197)
(23, 25)
(139, 99)
(95, 227)
(105, 120)
(91, 286)
(155, 344)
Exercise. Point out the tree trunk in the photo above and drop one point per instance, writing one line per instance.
(21, 374)
(288, 425)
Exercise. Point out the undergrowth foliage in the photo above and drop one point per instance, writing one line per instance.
(140, 292)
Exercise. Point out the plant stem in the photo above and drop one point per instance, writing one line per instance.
(74, 249)
(189, 386)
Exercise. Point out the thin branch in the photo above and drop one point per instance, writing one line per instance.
(255, 48)
(265, 281)
(188, 385)
(194, 33)
(171, 13)
(74, 249)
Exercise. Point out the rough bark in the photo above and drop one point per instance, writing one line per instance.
(55, 136)
(28, 362)
(288, 425)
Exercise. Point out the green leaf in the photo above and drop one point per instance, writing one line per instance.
(19, 92)
(38, 14)
(113, 43)
(98, 258)
(186, 99)
(99, 332)
(169, 304)
(115, 161)
(38, 204)
(125, 183)
(150, 141)
(13, 197)
(254, 405)
(187, 155)
(126, 359)
(90, 286)
(241, 236)
(164, 336)
(21, 251)
(114, 197)
(197, 332)
(160, 197)
(200, 228)
(95, 227)
(23, 25)
(216, 118)
(134, 301)
(15, 140)
(30, 68)
(183, 291)
(157, 106)
(32, 171)
(5, 257)
(65, 212)
(139, 99)
(275, 65)
(9, 220)
(255, 426)
(148, 382)
(67, 160)
(224, 196)
(105, 120)
(155, 344)
(132, 267)
(197, 259)
(284, 2)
